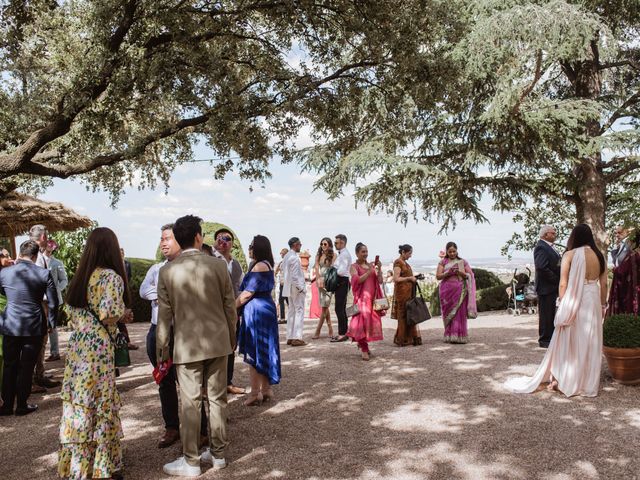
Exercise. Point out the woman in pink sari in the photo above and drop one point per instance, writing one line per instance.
(457, 294)
(366, 326)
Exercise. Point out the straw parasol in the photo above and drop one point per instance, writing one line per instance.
(19, 212)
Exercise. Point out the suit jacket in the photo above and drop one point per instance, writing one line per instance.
(25, 285)
(59, 275)
(195, 293)
(235, 272)
(293, 274)
(547, 262)
(619, 253)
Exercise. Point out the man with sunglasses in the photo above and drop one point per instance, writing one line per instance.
(222, 249)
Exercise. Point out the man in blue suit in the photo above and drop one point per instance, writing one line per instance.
(24, 325)
(547, 262)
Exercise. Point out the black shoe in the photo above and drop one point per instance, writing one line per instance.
(543, 344)
(26, 410)
(5, 412)
(47, 382)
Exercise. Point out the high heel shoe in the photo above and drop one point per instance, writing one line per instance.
(253, 400)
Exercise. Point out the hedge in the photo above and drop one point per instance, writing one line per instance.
(621, 331)
(491, 293)
(141, 308)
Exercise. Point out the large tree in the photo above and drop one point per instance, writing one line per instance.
(535, 104)
(114, 91)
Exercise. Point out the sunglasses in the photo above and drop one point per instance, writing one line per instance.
(225, 238)
(324, 244)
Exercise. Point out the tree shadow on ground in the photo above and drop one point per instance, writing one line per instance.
(435, 411)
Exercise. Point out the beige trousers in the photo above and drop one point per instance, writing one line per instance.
(212, 375)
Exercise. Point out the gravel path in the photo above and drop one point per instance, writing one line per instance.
(430, 412)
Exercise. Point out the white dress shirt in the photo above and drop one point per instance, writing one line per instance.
(149, 289)
(343, 263)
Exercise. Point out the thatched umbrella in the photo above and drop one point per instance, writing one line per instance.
(19, 212)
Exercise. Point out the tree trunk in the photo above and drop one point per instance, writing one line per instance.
(591, 185)
(591, 204)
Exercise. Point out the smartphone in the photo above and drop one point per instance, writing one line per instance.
(377, 259)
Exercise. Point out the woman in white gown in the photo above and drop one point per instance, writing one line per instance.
(573, 360)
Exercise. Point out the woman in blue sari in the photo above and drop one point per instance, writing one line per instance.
(258, 336)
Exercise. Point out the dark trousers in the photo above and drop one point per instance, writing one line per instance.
(546, 315)
(231, 360)
(341, 305)
(38, 374)
(282, 301)
(20, 356)
(168, 390)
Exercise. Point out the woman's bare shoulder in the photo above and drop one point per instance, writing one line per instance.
(261, 267)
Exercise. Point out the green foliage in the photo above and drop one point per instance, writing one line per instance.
(208, 230)
(70, 247)
(141, 308)
(621, 331)
(485, 279)
(492, 298)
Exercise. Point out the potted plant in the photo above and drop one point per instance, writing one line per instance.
(621, 340)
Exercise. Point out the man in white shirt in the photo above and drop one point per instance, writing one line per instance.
(222, 249)
(295, 290)
(61, 281)
(167, 388)
(280, 281)
(343, 266)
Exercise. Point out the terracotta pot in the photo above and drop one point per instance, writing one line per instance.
(304, 260)
(624, 364)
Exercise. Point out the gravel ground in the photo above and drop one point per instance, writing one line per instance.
(431, 412)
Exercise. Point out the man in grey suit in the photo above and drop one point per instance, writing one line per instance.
(195, 294)
(222, 249)
(24, 325)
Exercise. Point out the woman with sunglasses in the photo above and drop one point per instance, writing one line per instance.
(325, 258)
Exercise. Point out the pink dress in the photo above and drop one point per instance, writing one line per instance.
(574, 356)
(314, 308)
(367, 325)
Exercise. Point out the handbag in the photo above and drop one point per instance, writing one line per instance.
(353, 310)
(331, 279)
(416, 308)
(381, 303)
(121, 354)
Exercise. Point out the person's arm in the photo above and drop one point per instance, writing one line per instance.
(565, 267)
(604, 290)
(361, 278)
(398, 279)
(441, 274)
(230, 310)
(63, 280)
(543, 267)
(148, 287)
(165, 317)
(298, 275)
(52, 301)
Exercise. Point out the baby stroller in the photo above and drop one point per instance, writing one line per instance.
(522, 294)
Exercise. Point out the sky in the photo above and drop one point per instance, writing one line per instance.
(285, 207)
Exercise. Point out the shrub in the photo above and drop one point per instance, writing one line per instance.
(141, 308)
(621, 331)
(486, 279)
(492, 298)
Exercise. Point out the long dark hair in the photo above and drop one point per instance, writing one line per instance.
(581, 236)
(261, 247)
(329, 258)
(102, 250)
(449, 245)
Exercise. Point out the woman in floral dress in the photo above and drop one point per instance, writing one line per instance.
(90, 429)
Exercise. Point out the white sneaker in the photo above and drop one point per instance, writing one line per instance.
(180, 468)
(207, 457)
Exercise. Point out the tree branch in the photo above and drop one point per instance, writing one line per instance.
(536, 77)
(620, 112)
(61, 123)
(621, 63)
(632, 165)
